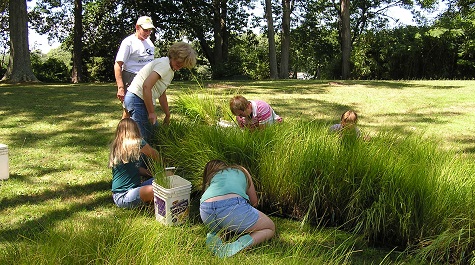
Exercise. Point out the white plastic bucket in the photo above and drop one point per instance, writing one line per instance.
(172, 205)
(4, 162)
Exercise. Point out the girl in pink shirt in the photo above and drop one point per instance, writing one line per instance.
(253, 114)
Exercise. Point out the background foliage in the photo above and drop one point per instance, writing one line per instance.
(439, 48)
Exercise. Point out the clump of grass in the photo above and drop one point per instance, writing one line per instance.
(197, 107)
(157, 169)
(206, 108)
(393, 190)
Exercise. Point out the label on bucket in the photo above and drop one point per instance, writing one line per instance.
(160, 206)
(179, 210)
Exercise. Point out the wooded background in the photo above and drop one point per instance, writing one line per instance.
(319, 39)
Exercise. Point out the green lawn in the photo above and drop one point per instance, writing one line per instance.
(56, 207)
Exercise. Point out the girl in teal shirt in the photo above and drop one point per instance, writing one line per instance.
(125, 151)
(227, 204)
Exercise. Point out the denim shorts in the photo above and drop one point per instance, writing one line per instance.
(130, 198)
(233, 215)
(138, 112)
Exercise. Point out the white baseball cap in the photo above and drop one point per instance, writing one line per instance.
(145, 22)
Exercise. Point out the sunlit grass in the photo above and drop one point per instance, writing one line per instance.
(56, 208)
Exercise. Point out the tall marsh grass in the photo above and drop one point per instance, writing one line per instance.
(203, 107)
(157, 170)
(400, 191)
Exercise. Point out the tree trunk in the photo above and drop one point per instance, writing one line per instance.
(224, 31)
(19, 66)
(218, 37)
(285, 46)
(345, 38)
(76, 76)
(271, 38)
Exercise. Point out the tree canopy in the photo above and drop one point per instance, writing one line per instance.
(312, 38)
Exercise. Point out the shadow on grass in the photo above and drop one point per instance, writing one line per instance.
(307, 107)
(66, 192)
(78, 104)
(469, 149)
(56, 105)
(414, 118)
(321, 85)
(467, 142)
(86, 139)
(29, 228)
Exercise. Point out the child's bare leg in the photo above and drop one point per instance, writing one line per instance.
(262, 230)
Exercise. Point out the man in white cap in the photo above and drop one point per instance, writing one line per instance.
(135, 51)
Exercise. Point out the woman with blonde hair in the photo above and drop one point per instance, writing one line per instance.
(228, 204)
(151, 83)
(125, 159)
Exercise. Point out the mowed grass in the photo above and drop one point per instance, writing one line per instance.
(56, 207)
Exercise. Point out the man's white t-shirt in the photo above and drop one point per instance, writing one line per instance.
(162, 67)
(135, 53)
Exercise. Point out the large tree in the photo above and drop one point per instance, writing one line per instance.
(4, 43)
(287, 7)
(227, 18)
(345, 36)
(19, 66)
(76, 75)
(271, 40)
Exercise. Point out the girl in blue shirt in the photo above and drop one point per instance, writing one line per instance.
(227, 204)
(125, 151)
